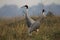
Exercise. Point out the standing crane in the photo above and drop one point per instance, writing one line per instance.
(32, 24)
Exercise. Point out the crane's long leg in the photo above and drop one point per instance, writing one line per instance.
(29, 32)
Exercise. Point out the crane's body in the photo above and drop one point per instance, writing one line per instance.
(32, 24)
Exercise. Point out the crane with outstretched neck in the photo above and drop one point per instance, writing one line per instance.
(32, 24)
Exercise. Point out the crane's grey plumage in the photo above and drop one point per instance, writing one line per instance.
(29, 21)
(32, 24)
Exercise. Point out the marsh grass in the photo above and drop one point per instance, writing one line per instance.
(15, 29)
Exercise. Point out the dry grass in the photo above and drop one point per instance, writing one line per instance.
(17, 29)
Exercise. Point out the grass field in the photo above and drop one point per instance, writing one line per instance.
(16, 29)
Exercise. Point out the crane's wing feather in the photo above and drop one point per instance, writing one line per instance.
(34, 26)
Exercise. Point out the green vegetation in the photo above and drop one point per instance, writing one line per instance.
(15, 29)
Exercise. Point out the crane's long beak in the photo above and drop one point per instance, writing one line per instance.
(26, 6)
(22, 7)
